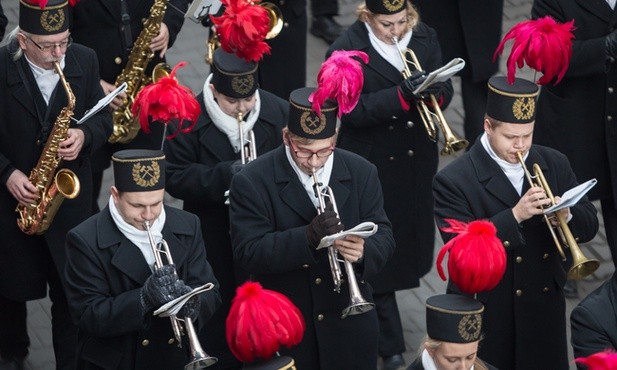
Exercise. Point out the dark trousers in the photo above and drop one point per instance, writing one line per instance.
(391, 341)
(14, 340)
(474, 103)
(321, 8)
(609, 214)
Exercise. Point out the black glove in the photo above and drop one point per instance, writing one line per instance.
(236, 167)
(191, 307)
(322, 225)
(161, 287)
(435, 89)
(411, 83)
(610, 43)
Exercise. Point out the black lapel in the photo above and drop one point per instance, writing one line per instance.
(600, 8)
(492, 177)
(292, 193)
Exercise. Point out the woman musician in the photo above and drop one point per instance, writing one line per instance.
(386, 128)
(202, 163)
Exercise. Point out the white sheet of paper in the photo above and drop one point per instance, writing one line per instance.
(572, 196)
(173, 307)
(363, 230)
(199, 9)
(102, 103)
(441, 74)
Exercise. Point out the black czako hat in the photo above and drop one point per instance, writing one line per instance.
(304, 122)
(137, 170)
(514, 103)
(453, 318)
(50, 20)
(233, 76)
(386, 6)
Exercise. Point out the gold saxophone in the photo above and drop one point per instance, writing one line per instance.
(53, 185)
(126, 126)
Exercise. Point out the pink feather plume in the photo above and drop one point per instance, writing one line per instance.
(166, 101)
(43, 3)
(242, 29)
(477, 259)
(543, 44)
(606, 360)
(260, 321)
(340, 78)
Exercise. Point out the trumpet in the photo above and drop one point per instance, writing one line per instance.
(248, 151)
(199, 358)
(274, 28)
(357, 304)
(430, 115)
(581, 265)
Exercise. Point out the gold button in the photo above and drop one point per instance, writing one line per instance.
(506, 244)
(610, 90)
(305, 266)
(282, 2)
(391, 158)
(519, 259)
(390, 127)
(285, 24)
(545, 256)
(320, 317)
(409, 124)
(171, 341)
(609, 118)
(545, 289)
(410, 153)
(394, 117)
(118, 60)
(145, 342)
(317, 281)
(519, 292)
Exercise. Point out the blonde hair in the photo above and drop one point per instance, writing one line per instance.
(432, 344)
(364, 14)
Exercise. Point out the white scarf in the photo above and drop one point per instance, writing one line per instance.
(139, 237)
(514, 172)
(389, 52)
(429, 364)
(46, 79)
(226, 123)
(323, 176)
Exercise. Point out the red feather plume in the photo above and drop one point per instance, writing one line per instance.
(606, 360)
(340, 78)
(166, 101)
(543, 44)
(43, 3)
(242, 29)
(260, 321)
(477, 260)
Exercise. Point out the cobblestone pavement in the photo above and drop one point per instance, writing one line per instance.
(190, 47)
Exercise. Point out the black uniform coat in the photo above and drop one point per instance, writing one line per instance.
(269, 213)
(105, 273)
(417, 365)
(22, 118)
(524, 316)
(397, 143)
(466, 29)
(594, 321)
(199, 172)
(577, 115)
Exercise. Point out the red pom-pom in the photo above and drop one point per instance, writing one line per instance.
(260, 321)
(606, 360)
(545, 45)
(477, 259)
(340, 78)
(166, 101)
(242, 29)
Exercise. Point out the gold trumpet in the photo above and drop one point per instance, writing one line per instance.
(430, 115)
(199, 358)
(275, 27)
(581, 265)
(357, 304)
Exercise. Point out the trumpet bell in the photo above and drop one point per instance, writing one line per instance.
(200, 363)
(582, 267)
(276, 20)
(357, 308)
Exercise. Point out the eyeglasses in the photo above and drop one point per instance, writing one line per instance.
(48, 46)
(321, 153)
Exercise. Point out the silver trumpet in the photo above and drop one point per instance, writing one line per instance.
(248, 151)
(357, 304)
(199, 358)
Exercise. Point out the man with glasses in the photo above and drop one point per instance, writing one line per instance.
(276, 229)
(31, 99)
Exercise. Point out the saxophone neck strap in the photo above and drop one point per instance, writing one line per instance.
(126, 24)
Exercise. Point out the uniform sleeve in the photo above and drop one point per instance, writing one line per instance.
(588, 333)
(174, 18)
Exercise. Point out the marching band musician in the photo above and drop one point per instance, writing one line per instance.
(275, 229)
(113, 285)
(111, 28)
(386, 129)
(524, 317)
(202, 162)
(31, 100)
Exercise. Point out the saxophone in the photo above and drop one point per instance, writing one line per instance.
(53, 185)
(125, 125)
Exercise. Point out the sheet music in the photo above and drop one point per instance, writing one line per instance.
(572, 196)
(441, 74)
(102, 103)
(173, 307)
(200, 9)
(363, 230)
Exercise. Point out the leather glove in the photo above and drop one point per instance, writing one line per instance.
(435, 90)
(411, 83)
(160, 288)
(610, 43)
(322, 225)
(236, 167)
(191, 307)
